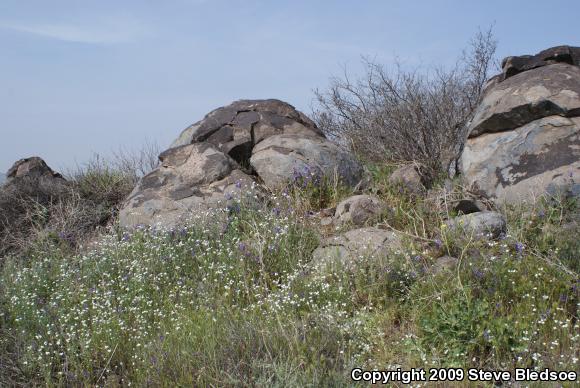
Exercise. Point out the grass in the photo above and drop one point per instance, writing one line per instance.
(236, 303)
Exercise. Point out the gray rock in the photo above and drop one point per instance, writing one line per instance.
(282, 159)
(409, 178)
(478, 225)
(269, 139)
(236, 128)
(31, 168)
(191, 179)
(442, 264)
(531, 95)
(359, 209)
(524, 139)
(357, 244)
(517, 165)
(560, 54)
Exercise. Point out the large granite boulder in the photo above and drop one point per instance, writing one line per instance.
(190, 179)
(545, 91)
(524, 139)
(231, 148)
(285, 158)
(274, 141)
(235, 129)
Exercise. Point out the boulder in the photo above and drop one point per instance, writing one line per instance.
(282, 159)
(190, 179)
(409, 178)
(359, 209)
(33, 178)
(236, 128)
(32, 168)
(540, 157)
(560, 54)
(225, 152)
(357, 244)
(524, 138)
(443, 264)
(545, 91)
(478, 225)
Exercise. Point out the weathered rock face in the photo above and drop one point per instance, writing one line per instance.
(32, 178)
(357, 243)
(409, 178)
(539, 157)
(283, 158)
(359, 209)
(32, 168)
(560, 54)
(524, 139)
(486, 224)
(264, 139)
(191, 178)
(235, 129)
(545, 91)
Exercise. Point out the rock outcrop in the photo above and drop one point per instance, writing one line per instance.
(32, 178)
(267, 141)
(280, 159)
(191, 178)
(32, 168)
(524, 139)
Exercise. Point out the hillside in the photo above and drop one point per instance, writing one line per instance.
(259, 252)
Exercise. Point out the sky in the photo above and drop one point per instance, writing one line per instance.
(99, 76)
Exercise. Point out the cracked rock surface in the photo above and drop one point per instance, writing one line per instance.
(223, 155)
(524, 139)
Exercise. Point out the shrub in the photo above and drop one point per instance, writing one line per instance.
(37, 211)
(401, 115)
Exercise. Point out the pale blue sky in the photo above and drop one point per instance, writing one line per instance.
(78, 77)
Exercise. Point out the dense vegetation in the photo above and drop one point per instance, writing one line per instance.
(233, 298)
(238, 302)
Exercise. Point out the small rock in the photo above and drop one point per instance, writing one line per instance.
(481, 224)
(359, 209)
(356, 244)
(409, 178)
(326, 221)
(444, 263)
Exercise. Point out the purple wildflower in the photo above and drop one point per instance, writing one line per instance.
(477, 273)
(487, 335)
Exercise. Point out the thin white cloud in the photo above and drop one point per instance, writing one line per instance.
(106, 32)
